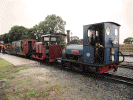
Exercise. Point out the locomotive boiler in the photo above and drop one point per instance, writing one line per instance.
(99, 52)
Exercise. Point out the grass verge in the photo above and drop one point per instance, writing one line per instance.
(7, 70)
(21, 87)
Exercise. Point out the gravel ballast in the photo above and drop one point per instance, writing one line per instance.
(78, 86)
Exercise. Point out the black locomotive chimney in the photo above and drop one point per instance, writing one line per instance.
(68, 37)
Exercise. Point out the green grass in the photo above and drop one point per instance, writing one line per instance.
(25, 88)
(7, 70)
(32, 92)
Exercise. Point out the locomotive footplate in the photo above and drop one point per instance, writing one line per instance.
(96, 68)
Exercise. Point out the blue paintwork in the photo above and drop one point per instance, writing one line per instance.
(74, 47)
(85, 34)
(110, 38)
(88, 49)
(108, 42)
(116, 52)
(107, 56)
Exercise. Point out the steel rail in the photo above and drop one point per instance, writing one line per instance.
(126, 64)
(118, 78)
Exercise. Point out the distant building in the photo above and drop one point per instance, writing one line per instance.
(1, 42)
(74, 38)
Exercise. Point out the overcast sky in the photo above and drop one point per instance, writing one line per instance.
(76, 13)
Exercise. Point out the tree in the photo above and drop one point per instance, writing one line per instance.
(128, 40)
(30, 34)
(76, 41)
(5, 38)
(18, 33)
(52, 24)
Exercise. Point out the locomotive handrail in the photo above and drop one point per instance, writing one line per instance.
(123, 57)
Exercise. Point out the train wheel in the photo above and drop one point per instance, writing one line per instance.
(31, 57)
(66, 65)
(63, 64)
(82, 69)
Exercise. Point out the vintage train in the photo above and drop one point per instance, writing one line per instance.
(94, 55)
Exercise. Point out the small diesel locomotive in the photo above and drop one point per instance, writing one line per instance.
(49, 48)
(99, 52)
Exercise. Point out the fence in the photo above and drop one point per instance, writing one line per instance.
(126, 47)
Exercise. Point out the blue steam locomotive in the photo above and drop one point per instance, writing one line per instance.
(99, 52)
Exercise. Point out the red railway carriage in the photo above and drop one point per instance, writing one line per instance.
(23, 47)
(49, 48)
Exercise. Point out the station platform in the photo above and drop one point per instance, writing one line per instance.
(17, 61)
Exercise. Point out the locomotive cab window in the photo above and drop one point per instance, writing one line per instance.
(91, 37)
(53, 38)
(46, 38)
(53, 41)
(95, 36)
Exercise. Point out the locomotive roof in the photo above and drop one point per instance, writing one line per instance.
(104, 22)
(56, 35)
(25, 40)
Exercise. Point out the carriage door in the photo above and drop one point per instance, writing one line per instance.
(21, 48)
(29, 46)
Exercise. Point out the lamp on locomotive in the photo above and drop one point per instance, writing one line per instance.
(99, 42)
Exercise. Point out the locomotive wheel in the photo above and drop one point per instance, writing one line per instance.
(83, 69)
(63, 64)
(31, 57)
(66, 65)
(80, 68)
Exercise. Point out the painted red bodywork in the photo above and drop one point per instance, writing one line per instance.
(51, 60)
(11, 49)
(75, 51)
(25, 47)
(40, 49)
(55, 51)
(106, 68)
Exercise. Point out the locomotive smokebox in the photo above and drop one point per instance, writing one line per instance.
(68, 37)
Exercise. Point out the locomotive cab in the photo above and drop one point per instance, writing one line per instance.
(100, 40)
(101, 45)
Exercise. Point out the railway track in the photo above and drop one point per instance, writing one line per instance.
(126, 64)
(118, 78)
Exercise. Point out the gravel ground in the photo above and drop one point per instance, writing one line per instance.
(77, 86)
(123, 72)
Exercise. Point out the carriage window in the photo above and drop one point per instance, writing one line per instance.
(34, 43)
(46, 38)
(15, 45)
(25, 44)
(22, 44)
